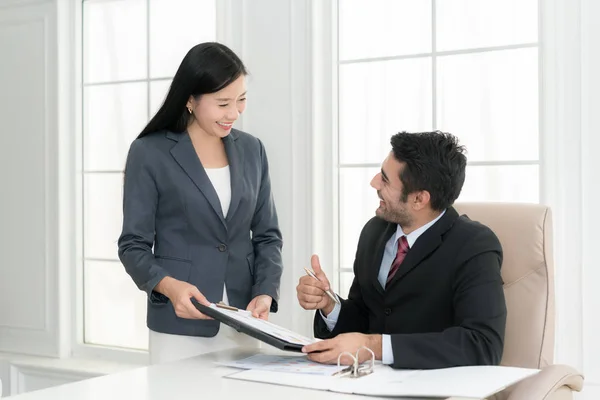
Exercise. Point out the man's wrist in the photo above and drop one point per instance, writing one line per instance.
(375, 343)
(328, 308)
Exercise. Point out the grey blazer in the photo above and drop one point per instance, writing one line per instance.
(173, 225)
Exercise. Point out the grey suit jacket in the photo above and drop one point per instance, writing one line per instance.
(173, 225)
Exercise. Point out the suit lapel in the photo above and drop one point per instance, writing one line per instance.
(184, 153)
(378, 255)
(426, 244)
(235, 156)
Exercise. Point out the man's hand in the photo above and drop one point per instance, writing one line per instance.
(327, 351)
(311, 292)
(260, 306)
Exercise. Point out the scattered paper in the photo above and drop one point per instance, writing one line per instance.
(290, 364)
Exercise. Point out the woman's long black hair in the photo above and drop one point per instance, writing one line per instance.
(206, 68)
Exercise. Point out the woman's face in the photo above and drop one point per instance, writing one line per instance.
(216, 112)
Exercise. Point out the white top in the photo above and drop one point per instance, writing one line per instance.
(221, 181)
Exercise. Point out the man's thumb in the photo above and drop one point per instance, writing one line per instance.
(316, 266)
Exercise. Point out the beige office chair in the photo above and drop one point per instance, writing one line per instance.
(525, 232)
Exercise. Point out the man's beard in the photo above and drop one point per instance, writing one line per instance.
(399, 217)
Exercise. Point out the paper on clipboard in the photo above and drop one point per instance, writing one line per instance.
(264, 326)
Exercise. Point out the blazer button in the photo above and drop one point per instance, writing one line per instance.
(222, 247)
(388, 311)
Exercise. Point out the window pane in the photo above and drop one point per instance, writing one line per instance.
(358, 202)
(113, 116)
(490, 101)
(176, 26)
(115, 310)
(379, 28)
(158, 92)
(114, 40)
(506, 183)
(103, 216)
(465, 24)
(378, 99)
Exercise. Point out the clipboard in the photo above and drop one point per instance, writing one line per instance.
(264, 331)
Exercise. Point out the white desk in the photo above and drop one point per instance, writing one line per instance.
(193, 378)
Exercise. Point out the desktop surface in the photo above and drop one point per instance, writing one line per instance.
(196, 377)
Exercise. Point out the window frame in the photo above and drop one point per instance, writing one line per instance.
(335, 258)
(226, 15)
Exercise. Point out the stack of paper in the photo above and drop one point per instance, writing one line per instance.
(475, 382)
(289, 364)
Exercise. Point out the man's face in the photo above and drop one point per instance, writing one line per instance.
(389, 189)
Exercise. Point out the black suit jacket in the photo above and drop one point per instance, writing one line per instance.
(444, 307)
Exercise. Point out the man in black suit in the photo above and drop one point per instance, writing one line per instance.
(427, 290)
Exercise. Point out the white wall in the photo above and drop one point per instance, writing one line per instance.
(34, 279)
(283, 59)
(590, 165)
(28, 172)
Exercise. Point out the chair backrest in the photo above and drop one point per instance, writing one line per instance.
(525, 232)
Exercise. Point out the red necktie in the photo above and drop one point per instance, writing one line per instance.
(402, 250)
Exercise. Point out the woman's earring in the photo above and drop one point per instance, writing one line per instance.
(189, 109)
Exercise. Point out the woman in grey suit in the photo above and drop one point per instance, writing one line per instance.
(199, 219)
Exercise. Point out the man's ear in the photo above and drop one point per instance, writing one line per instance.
(421, 200)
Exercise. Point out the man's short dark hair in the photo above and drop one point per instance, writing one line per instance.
(435, 162)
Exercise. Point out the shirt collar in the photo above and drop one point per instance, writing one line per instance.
(412, 237)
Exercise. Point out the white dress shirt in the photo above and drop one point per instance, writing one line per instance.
(391, 248)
